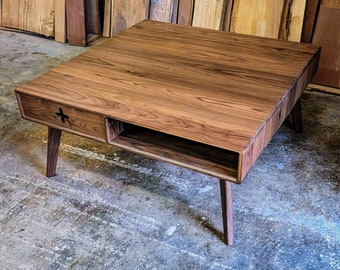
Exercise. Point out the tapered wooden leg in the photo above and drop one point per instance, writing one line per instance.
(227, 211)
(53, 144)
(297, 117)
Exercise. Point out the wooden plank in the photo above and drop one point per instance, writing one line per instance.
(10, 18)
(327, 35)
(185, 12)
(209, 14)
(161, 10)
(60, 21)
(76, 27)
(92, 17)
(292, 20)
(227, 15)
(257, 17)
(126, 13)
(107, 18)
(297, 12)
(312, 8)
(35, 15)
(174, 16)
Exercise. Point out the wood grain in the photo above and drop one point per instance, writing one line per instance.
(327, 35)
(60, 21)
(227, 15)
(35, 15)
(297, 12)
(185, 12)
(76, 24)
(292, 20)
(126, 13)
(257, 17)
(161, 10)
(209, 14)
(81, 122)
(220, 89)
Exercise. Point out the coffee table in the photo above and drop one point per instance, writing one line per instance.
(203, 99)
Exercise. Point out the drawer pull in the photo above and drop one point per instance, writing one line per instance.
(62, 115)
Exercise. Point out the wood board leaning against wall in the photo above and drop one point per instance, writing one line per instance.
(327, 35)
(34, 15)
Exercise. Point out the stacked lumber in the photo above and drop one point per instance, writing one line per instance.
(268, 18)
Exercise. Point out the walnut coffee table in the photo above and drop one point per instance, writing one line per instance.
(206, 100)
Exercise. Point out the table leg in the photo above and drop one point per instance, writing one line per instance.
(53, 143)
(297, 117)
(227, 211)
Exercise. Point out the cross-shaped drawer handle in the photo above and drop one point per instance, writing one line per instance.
(62, 115)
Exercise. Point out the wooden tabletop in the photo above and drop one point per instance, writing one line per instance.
(213, 87)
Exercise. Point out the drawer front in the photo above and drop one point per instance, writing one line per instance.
(61, 116)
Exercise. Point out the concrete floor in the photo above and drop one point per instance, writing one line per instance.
(110, 209)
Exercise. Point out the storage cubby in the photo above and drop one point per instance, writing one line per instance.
(207, 159)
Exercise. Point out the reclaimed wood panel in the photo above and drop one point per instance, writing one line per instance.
(107, 18)
(126, 13)
(92, 17)
(257, 17)
(292, 20)
(327, 35)
(185, 12)
(161, 10)
(312, 8)
(60, 21)
(227, 15)
(76, 25)
(35, 15)
(209, 14)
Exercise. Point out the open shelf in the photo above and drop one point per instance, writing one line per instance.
(214, 161)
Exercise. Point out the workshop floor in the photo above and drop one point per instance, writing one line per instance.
(110, 209)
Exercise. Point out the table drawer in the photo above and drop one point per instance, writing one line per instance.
(61, 116)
